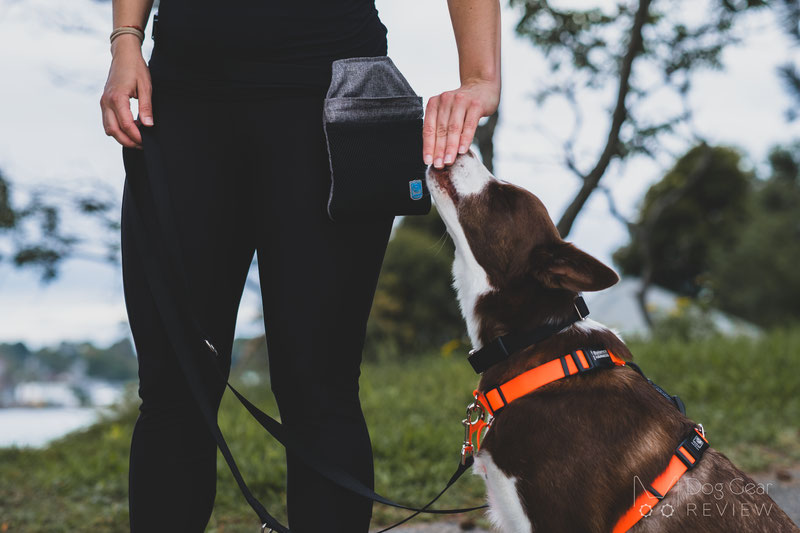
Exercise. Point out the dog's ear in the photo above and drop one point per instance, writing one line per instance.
(563, 266)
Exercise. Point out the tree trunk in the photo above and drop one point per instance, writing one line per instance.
(619, 116)
(484, 138)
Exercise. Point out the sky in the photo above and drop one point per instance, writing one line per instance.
(54, 61)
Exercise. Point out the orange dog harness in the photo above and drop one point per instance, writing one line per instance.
(481, 413)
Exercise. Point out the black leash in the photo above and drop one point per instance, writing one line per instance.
(164, 269)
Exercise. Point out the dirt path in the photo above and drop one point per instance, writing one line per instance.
(782, 485)
(439, 527)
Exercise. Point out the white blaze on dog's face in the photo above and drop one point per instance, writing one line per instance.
(467, 176)
(509, 254)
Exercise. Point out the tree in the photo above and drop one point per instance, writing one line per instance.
(709, 229)
(32, 234)
(639, 47)
(700, 206)
(758, 278)
(415, 309)
(789, 73)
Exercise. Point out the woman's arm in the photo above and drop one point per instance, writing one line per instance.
(451, 118)
(128, 76)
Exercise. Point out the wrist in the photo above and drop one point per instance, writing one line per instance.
(491, 80)
(125, 43)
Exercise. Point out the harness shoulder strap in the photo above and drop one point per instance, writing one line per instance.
(686, 456)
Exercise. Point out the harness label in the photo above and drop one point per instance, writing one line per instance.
(599, 354)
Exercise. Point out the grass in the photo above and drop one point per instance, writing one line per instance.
(746, 393)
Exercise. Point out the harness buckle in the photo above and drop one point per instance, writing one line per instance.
(579, 364)
(473, 424)
(580, 307)
(691, 449)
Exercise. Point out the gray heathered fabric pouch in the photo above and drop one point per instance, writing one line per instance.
(373, 126)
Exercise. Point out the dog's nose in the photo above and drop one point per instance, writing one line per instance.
(441, 178)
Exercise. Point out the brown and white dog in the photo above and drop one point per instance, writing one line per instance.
(572, 455)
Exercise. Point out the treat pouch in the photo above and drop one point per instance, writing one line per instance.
(373, 126)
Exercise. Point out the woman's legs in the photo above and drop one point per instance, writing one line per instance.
(172, 478)
(240, 175)
(318, 279)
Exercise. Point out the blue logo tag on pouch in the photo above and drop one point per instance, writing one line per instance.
(416, 189)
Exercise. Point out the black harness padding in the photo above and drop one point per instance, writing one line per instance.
(502, 347)
(165, 272)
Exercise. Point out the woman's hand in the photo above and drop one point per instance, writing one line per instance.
(128, 78)
(451, 119)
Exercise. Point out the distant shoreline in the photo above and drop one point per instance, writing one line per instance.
(36, 427)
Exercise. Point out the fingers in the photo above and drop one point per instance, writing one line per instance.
(121, 106)
(471, 119)
(442, 125)
(455, 125)
(451, 120)
(144, 94)
(429, 130)
(112, 128)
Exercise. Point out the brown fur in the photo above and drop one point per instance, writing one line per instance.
(577, 445)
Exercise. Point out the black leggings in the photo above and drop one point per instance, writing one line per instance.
(245, 176)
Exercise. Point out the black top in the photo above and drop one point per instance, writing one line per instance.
(248, 45)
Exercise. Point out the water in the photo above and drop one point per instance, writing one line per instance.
(37, 426)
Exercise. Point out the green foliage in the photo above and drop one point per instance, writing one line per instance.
(415, 308)
(687, 322)
(757, 277)
(699, 207)
(617, 49)
(7, 214)
(789, 71)
(34, 232)
(721, 235)
(116, 363)
(79, 483)
(744, 391)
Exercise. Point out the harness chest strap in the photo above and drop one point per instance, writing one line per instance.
(495, 399)
(576, 362)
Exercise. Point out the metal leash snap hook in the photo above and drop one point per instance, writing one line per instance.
(211, 347)
(473, 409)
(264, 528)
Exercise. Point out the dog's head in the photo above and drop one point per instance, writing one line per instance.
(511, 270)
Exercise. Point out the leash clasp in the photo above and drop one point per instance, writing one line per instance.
(475, 422)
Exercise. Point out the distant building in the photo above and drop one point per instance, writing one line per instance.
(41, 393)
